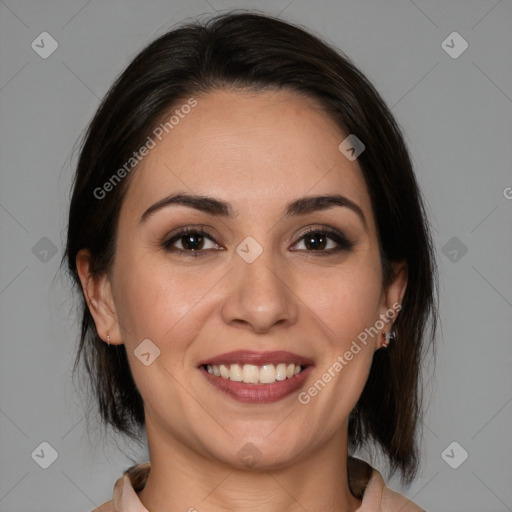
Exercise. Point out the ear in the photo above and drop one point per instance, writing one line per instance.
(98, 294)
(392, 297)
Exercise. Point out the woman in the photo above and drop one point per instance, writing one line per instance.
(257, 274)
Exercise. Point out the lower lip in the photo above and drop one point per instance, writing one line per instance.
(258, 393)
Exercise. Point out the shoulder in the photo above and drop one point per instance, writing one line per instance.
(384, 499)
(367, 483)
(106, 507)
(394, 501)
(125, 490)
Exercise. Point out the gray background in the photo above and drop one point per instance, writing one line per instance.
(456, 113)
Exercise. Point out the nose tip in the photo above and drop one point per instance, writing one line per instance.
(258, 298)
(258, 326)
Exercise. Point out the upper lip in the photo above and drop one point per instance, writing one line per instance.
(257, 358)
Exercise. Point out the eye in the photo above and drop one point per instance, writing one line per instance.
(191, 241)
(196, 242)
(323, 241)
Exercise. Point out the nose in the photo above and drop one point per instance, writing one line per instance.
(260, 296)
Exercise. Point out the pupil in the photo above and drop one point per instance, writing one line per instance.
(193, 242)
(316, 241)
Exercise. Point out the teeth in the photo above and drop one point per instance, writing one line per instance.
(224, 371)
(252, 374)
(235, 373)
(281, 372)
(267, 374)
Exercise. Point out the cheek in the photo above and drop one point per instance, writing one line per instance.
(156, 300)
(345, 305)
(346, 299)
(167, 306)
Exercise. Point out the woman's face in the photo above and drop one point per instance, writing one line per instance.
(254, 285)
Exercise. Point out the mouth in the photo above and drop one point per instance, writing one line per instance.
(252, 374)
(257, 377)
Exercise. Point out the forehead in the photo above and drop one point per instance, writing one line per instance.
(250, 149)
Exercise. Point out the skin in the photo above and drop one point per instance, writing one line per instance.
(257, 151)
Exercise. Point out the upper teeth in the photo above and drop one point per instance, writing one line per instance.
(253, 374)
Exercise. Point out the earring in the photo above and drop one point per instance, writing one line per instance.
(386, 338)
(108, 338)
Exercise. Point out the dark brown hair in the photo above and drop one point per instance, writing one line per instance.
(256, 52)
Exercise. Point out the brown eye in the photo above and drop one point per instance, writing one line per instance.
(316, 241)
(324, 241)
(190, 241)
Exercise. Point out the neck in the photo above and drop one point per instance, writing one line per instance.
(182, 479)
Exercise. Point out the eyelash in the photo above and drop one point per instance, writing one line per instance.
(343, 243)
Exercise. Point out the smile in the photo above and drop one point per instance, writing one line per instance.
(257, 377)
(252, 374)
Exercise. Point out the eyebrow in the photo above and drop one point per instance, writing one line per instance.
(217, 207)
